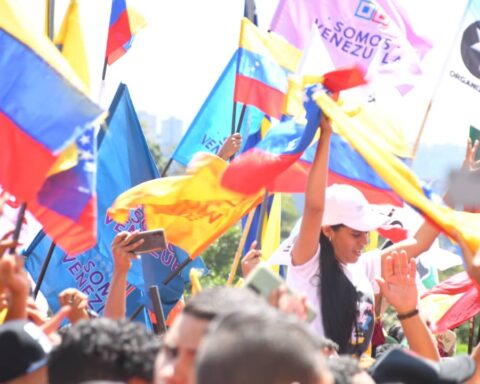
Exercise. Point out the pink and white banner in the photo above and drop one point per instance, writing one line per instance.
(362, 32)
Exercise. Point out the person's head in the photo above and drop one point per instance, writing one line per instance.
(259, 346)
(24, 349)
(347, 219)
(346, 370)
(104, 349)
(176, 362)
(401, 365)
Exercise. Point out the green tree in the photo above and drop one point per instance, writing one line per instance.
(218, 257)
(290, 215)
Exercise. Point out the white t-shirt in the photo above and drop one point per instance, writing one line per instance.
(305, 279)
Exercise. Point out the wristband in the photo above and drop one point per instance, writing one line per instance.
(407, 315)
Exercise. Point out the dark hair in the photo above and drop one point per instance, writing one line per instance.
(103, 349)
(258, 346)
(215, 301)
(338, 296)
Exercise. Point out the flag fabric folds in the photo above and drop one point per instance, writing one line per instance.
(44, 113)
(264, 62)
(212, 124)
(354, 31)
(123, 161)
(347, 165)
(124, 24)
(71, 43)
(399, 177)
(193, 209)
(451, 303)
(66, 205)
(282, 146)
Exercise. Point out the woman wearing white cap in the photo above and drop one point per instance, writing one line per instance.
(332, 272)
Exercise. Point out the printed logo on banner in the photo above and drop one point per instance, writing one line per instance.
(470, 48)
(367, 10)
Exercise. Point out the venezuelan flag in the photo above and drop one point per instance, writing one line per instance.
(282, 146)
(124, 24)
(347, 165)
(43, 108)
(43, 112)
(264, 62)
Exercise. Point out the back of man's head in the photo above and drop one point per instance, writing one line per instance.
(258, 347)
(216, 301)
(103, 349)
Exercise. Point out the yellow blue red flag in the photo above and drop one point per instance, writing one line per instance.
(43, 111)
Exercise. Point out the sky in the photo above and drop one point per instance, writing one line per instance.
(176, 59)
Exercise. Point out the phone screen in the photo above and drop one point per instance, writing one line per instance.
(152, 241)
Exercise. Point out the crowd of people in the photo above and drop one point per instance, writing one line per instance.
(233, 335)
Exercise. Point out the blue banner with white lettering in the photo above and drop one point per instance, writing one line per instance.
(124, 161)
(213, 123)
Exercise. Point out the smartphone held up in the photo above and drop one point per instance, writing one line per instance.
(153, 240)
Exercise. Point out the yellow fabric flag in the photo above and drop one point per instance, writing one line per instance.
(71, 43)
(194, 209)
(271, 234)
(397, 175)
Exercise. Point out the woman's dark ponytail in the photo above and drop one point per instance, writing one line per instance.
(338, 297)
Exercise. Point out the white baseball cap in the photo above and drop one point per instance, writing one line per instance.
(346, 205)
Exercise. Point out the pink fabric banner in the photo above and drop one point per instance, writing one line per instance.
(362, 32)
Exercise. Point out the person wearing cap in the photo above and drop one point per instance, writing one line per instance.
(326, 256)
(24, 350)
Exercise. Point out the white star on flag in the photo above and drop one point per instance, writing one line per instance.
(84, 140)
(85, 155)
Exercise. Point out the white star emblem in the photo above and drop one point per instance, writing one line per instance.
(85, 155)
(476, 46)
(84, 140)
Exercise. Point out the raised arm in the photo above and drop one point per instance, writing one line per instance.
(398, 286)
(427, 233)
(123, 246)
(307, 241)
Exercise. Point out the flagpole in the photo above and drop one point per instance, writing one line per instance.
(234, 116)
(420, 132)
(161, 327)
(50, 19)
(263, 209)
(104, 72)
(471, 325)
(18, 226)
(240, 120)
(177, 271)
(165, 169)
(241, 244)
(437, 84)
(136, 312)
(43, 271)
